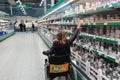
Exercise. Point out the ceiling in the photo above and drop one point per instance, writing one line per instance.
(5, 5)
(35, 3)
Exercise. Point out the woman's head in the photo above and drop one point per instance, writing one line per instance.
(61, 37)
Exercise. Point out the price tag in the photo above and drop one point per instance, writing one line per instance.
(90, 49)
(117, 61)
(94, 23)
(83, 11)
(119, 42)
(94, 37)
(110, 5)
(100, 53)
(105, 23)
(95, 8)
(105, 54)
(88, 23)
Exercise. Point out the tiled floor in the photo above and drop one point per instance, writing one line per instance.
(21, 57)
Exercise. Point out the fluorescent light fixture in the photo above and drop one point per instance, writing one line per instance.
(18, 1)
(21, 7)
(58, 8)
(41, 2)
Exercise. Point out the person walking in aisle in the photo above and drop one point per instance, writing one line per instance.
(61, 45)
(33, 27)
(22, 26)
(14, 25)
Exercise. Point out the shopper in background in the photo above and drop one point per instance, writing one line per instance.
(26, 24)
(33, 27)
(14, 25)
(22, 26)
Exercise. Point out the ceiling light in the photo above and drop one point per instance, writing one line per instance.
(21, 7)
(41, 3)
(18, 1)
(58, 8)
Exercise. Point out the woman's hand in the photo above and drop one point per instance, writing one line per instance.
(78, 23)
(46, 53)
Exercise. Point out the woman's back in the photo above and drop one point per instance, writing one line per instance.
(61, 45)
(61, 49)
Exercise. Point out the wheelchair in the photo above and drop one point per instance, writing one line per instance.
(57, 66)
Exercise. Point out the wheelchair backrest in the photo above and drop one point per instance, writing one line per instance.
(59, 64)
(59, 59)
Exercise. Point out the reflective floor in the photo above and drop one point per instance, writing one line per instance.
(21, 57)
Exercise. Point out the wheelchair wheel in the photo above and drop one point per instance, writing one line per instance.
(46, 70)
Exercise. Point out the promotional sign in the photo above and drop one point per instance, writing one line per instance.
(59, 68)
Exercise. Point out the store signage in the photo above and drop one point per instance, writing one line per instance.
(58, 68)
(24, 5)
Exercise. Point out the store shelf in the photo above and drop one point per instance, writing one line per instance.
(48, 43)
(105, 23)
(91, 71)
(94, 71)
(69, 24)
(115, 23)
(98, 38)
(75, 65)
(3, 13)
(100, 9)
(88, 36)
(6, 36)
(64, 24)
(80, 71)
(109, 57)
(56, 5)
(96, 18)
(107, 40)
(68, 31)
(91, 11)
(63, 17)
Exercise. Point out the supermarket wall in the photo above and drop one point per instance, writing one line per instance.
(34, 12)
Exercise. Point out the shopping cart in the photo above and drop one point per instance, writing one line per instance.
(57, 66)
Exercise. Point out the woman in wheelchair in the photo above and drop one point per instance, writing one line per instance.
(61, 45)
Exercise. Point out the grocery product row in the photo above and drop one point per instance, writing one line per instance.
(92, 56)
(84, 8)
(6, 27)
(96, 67)
(95, 54)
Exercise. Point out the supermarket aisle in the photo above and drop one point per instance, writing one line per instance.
(21, 57)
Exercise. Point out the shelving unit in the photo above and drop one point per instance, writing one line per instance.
(6, 27)
(99, 36)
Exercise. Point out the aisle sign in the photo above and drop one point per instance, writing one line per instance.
(24, 5)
